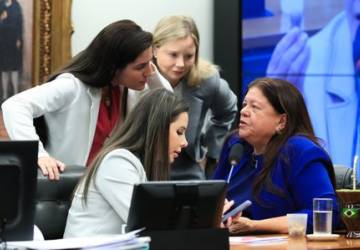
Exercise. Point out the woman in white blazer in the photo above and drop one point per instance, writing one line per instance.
(83, 101)
(151, 137)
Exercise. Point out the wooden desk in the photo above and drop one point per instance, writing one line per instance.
(301, 244)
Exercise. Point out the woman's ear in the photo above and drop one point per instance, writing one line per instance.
(155, 52)
(282, 122)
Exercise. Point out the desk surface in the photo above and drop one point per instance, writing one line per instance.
(300, 244)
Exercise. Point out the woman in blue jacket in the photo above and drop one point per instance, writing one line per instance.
(283, 166)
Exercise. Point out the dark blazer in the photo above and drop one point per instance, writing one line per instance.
(213, 108)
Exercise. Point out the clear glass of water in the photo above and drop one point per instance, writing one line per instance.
(322, 215)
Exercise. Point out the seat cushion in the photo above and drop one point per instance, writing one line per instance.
(53, 200)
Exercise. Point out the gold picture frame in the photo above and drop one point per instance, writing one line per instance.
(52, 37)
(51, 46)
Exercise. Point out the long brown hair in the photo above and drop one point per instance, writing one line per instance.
(145, 133)
(285, 99)
(117, 45)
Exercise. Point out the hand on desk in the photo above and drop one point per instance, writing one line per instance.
(241, 224)
(237, 223)
(290, 58)
(51, 167)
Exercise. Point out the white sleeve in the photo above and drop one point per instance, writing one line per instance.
(20, 110)
(115, 179)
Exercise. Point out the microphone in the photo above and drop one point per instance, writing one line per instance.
(235, 155)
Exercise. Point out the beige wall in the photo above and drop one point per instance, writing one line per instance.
(90, 16)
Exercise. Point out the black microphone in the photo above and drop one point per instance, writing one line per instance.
(235, 155)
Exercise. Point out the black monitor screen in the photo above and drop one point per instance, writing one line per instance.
(177, 205)
(18, 174)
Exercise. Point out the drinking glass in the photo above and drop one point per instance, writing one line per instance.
(322, 215)
(297, 224)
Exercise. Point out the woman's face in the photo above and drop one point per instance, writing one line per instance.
(177, 139)
(259, 120)
(134, 75)
(176, 58)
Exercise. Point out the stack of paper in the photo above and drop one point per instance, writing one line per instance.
(120, 241)
(257, 240)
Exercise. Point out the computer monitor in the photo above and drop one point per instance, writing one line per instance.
(18, 175)
(177, 205)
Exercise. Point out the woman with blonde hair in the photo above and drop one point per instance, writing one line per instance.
(176, 54)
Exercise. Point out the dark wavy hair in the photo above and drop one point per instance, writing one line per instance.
(117, 45)
(145, 133)
(285, 99)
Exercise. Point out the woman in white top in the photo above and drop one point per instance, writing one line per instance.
(151, 137)
(83, 101)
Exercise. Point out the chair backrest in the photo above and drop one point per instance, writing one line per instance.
(53, 201)
(343, 176)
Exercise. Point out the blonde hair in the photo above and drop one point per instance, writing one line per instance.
(176, 27)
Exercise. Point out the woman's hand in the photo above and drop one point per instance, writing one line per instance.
(241, 224)
(227, 206)
(51, 167)
(237, 223)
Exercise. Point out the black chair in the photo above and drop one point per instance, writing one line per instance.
(53, 200)
(343, 177)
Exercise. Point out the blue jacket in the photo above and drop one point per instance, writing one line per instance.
(300, 171)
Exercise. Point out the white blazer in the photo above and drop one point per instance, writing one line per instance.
(109, 196)
(70, 108)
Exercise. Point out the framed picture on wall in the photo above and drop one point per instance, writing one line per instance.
(52, 37)
(34, 41)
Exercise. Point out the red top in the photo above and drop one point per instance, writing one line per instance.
(105, 122)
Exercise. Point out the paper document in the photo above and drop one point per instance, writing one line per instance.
(119, 241)
(256, 240)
